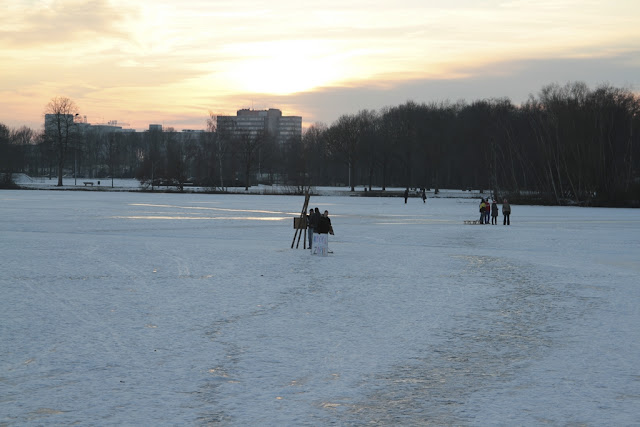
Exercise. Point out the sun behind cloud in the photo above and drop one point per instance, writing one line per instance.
(283, 67)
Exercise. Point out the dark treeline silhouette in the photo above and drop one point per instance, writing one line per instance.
(568, 145)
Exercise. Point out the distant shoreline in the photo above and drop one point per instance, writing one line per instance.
(25, 182)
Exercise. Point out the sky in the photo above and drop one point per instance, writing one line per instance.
(174, 63)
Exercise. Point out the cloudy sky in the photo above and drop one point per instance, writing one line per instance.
(172, 62)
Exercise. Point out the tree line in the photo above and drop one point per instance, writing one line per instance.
(568, 145)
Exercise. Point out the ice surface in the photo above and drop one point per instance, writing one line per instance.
(191, 309)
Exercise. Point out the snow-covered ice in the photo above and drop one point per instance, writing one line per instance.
(123, 308)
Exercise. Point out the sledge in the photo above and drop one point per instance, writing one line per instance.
(472, 221)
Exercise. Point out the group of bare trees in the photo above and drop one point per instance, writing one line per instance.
(570, 144)
(587, 142)
(13, 146)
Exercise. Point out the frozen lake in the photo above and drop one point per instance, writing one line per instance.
(191, 309)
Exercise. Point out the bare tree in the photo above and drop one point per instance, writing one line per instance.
(345, 138)
(22, 138)
(222, 143)
(6, 156)
(60, 128)
(304, 158)
(176, 160)
(404, 137)
(151, 170)
(114, 144)
(386, 131)
(248, 146)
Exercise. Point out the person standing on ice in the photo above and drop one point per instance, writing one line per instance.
(482, 205)
(487, 211)
(324, 224)
(323, 229)
(310, 227)
(406, 195)
(424, 196)
(494, 213)
(506, 212)
(314, 216)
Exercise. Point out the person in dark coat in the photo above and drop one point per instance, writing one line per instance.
(324, 224)
(325, 227)
(406, 195)
(310, 226)
(506, 212)
(494, 213)
(314, 216)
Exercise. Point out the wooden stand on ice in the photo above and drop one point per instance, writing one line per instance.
(300, 224)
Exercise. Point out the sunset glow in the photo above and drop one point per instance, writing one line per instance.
(171, 63)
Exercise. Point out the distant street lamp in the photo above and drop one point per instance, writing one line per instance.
(75, 157)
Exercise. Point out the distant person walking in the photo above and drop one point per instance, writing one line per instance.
(424, 196)
(482, 206)
(494, 213)
(406, 195)
(506, 212)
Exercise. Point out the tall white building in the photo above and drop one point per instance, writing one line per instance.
(252, 122)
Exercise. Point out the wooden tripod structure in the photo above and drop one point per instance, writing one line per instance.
(300, 224)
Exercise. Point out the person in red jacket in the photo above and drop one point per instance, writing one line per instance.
(487, 211)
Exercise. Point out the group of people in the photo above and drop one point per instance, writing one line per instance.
(488, 208)
(318, 223)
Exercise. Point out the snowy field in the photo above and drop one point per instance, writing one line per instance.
(123, 308)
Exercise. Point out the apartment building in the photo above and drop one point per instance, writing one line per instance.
(253, 122)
